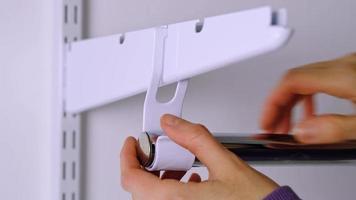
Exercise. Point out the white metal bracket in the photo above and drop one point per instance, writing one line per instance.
(153, 109)
(97, 69)
(168, 154)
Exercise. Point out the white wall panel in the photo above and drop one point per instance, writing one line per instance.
(26, 56)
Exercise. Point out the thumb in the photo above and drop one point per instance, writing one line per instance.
(197, 139)
(326, 129)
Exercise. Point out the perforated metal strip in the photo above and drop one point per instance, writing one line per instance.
(71, 132)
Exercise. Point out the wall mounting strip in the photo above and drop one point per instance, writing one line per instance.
(70, 154)
(107, 69)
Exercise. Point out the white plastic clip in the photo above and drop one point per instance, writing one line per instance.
(168, 155)
(153, 109)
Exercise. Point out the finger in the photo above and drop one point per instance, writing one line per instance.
(332, 78)
(177, 175)
(273, 111)
(133, 177)
(283, 125)
(128, 156)
(134, 197)
(197, 139)
(282, 122)
(194, 178)
(326, 129)
(309, 108)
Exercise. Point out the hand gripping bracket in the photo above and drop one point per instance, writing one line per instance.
(168, 155)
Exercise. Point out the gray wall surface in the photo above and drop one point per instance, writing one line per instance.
(226, 100)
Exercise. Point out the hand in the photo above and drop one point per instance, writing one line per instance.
(336, 78)
(229, 177)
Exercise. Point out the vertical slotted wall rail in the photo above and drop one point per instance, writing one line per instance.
(71, 133)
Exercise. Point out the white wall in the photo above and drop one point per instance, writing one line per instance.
(225, 100)
(26, 61)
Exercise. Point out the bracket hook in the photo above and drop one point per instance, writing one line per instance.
(153, 109)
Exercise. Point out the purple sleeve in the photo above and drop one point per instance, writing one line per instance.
(282, 193)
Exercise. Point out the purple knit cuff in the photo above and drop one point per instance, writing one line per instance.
(282, 193)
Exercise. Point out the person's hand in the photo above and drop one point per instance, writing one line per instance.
(229, 177)
(336, 78)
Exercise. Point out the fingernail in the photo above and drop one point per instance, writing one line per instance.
(305, 132)
(170, 120)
